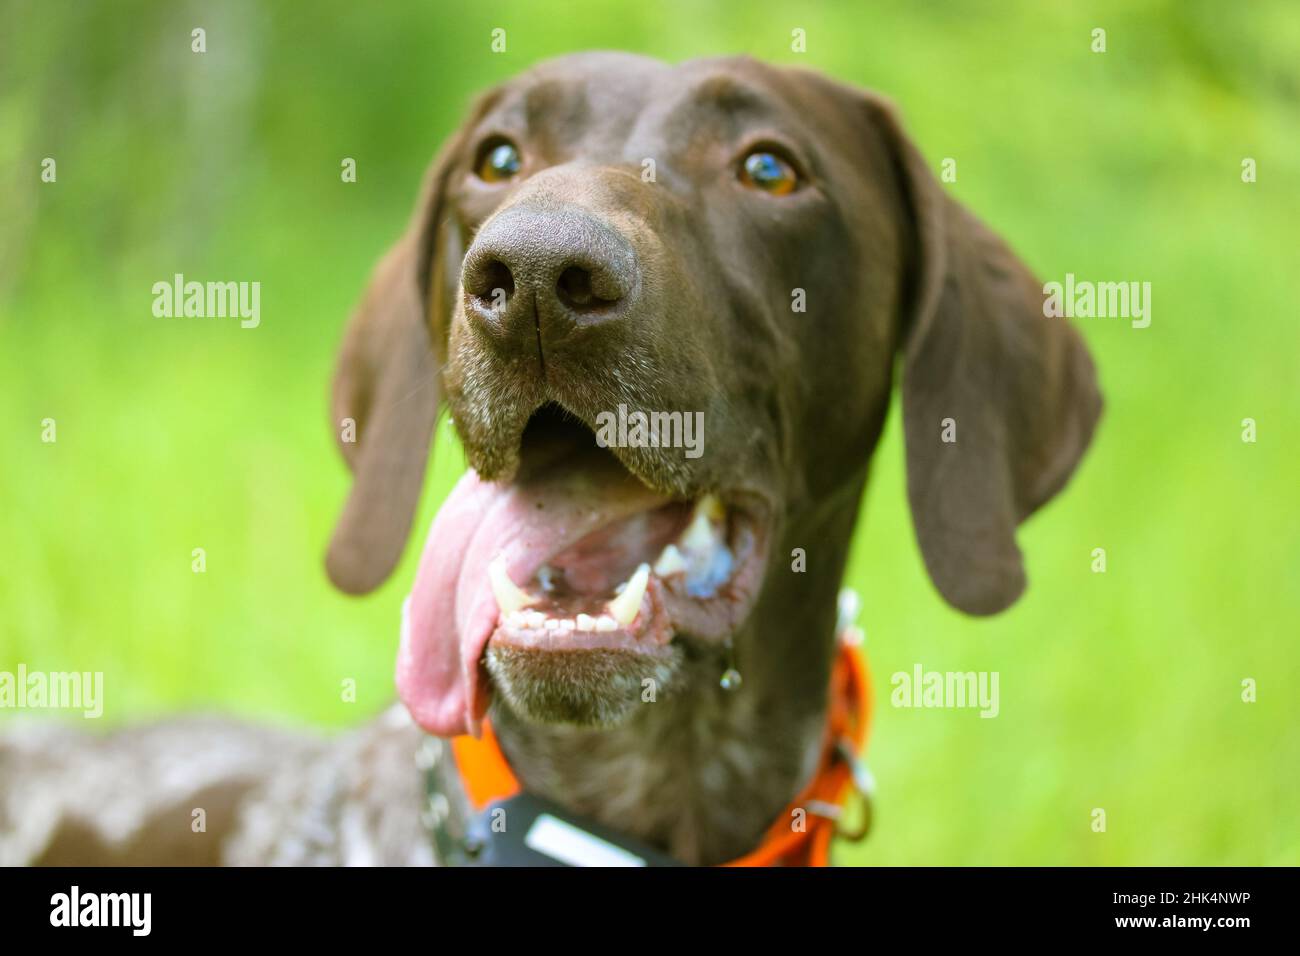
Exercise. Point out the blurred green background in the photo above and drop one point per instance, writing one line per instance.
(1119, 690)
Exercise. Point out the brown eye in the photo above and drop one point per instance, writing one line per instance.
(769, 172)
(498, 161)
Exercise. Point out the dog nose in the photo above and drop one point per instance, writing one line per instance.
(539, 275)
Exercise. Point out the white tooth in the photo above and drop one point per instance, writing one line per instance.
(534, 618)
(605, 623)
(705, 530)
(567, 624)
(624, 607)
(552, 624)
(586, 622)
(670, 562)
(510, 597)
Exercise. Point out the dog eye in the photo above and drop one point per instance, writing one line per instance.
(498, 161)
(769, 172)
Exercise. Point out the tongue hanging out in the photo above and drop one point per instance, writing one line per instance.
(576, 555)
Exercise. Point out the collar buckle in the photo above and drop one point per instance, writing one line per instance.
(863, 785)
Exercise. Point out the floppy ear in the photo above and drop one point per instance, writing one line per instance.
(386, 383)
(1019, 388)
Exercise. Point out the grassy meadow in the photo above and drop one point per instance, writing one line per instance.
(1119, 690)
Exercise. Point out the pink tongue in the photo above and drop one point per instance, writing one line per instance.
(451, 613)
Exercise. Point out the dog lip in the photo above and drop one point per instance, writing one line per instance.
(508, 457)
(682, 484)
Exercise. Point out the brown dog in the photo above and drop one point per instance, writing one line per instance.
(754, 244)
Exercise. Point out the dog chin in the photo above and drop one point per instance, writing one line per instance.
(586, 688)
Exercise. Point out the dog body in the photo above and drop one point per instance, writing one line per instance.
(755, 245)
(214, 791)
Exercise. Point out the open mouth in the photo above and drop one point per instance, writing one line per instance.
(617, 587)
(575, 555)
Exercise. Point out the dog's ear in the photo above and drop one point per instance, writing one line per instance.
(999, 400)
(386, 386)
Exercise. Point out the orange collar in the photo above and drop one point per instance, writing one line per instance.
(801, 834)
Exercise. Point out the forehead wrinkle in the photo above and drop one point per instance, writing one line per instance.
(547, 99)
(548, 112)
(718, 106)
(725, 93)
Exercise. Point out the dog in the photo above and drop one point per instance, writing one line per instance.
(762, 246)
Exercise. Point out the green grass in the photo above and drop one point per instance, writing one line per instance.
(1118, 690)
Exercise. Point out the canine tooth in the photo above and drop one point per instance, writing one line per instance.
(670, 561)
(586, 622)
(624, 607)
(510, 596)
(605, 623)
(704, 531)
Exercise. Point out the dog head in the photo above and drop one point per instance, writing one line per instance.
(663, 304)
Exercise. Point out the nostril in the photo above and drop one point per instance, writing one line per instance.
(493, 284)
(574, 289)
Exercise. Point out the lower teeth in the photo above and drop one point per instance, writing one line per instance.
(537, 621)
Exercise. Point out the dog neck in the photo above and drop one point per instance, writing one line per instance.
(703, 771)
